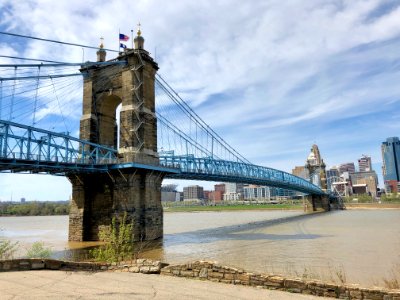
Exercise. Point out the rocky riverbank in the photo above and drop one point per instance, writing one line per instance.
(210, 271)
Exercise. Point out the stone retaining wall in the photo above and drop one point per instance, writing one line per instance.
(144, 266)
(211, 271)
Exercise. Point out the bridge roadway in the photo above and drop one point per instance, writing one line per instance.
(27, 149)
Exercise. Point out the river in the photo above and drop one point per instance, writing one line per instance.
(361, 245)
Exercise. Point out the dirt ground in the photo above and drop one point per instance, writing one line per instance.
(46, 284)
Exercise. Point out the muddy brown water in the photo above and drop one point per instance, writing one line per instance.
(358, 246)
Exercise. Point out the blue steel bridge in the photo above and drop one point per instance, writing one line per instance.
(38, 96)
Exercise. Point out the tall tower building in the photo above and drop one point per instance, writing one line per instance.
(346, 167)
(193, 192)
(391, 159)
(316, 167)
(365, 164)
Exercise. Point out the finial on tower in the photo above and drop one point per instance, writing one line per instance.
(139, 40)
(101, 53)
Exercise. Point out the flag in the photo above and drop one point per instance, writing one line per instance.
(122, 45)
(123, 37)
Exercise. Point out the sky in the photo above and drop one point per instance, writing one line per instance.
(272, 77)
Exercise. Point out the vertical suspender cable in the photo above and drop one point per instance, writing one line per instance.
(36, 95)
(13, 93)
(1, 96)
(59, 106)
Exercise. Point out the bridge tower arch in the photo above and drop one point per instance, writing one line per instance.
(96, 198)
(316, 168)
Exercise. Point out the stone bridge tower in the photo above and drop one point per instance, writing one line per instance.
(316, 168)
(96, 197)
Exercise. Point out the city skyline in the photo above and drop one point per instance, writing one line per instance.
(270, 84)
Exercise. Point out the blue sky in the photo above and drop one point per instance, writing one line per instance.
(271, 77)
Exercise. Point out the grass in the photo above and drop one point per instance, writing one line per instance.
(331, 274)
(234, 207)
(393, 282)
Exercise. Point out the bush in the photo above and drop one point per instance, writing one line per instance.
(38, 250)
(118, 239)
(7, 249)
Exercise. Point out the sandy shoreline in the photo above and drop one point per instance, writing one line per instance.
(372, 205)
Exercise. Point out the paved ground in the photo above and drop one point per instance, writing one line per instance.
(109, 285)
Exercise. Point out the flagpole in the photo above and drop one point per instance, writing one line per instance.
(119, 34)
(132, 37)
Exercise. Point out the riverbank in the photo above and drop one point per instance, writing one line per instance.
(374, 205)
(201, 270)
(241, 207)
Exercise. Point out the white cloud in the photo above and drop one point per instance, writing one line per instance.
(271, 68)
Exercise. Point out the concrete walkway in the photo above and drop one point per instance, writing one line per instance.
(110, 285)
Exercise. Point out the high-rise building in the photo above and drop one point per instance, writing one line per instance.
(214, 196)
(391, 159)
(169, 193)
(367, 179)
(256, 192)
(392, 186)
(364, 163)
(233, 191)
(332, 172)
(220, 187)
(347, 167)
(301, 171)
(193, 192)
(281, 193)
(332, 175)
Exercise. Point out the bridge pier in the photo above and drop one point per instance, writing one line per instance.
(317, 203)
(98, 198)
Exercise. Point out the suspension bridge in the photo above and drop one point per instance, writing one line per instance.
(134, 131)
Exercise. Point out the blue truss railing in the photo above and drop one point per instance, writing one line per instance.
(25, 148)
(210, 169)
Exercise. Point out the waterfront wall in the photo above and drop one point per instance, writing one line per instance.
(205, 270)
(144, 266)
(214, 272)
